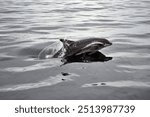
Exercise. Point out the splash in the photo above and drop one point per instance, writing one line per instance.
(54, 50)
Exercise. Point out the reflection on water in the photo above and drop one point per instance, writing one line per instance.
(27, 27)
(86, 58)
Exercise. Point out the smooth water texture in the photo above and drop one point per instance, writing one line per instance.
(29, 26)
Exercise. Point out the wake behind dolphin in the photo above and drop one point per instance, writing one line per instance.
(77, 51)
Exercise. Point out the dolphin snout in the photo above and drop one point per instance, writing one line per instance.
(108, 44)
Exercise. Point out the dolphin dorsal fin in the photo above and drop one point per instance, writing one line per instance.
(66, 43)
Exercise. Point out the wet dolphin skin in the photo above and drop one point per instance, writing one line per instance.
(90, 45)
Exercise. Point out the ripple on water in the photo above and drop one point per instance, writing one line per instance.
(130, 55)
(5, 57)
(52, 80)
(127, 83)
(135, 67)
(42, 65)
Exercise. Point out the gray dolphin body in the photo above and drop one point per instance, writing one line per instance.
(90, 46)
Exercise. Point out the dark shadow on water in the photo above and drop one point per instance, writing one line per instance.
(87, 58)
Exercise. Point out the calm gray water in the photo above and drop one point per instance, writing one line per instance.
(28, 26)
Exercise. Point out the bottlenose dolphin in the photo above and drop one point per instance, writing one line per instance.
(85, 46)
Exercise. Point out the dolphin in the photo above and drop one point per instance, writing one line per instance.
(84, 46)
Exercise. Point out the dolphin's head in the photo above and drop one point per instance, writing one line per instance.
(104, 42)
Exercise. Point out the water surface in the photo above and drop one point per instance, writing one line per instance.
(26, 27)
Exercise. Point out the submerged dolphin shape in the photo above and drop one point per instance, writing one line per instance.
(85, 46)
